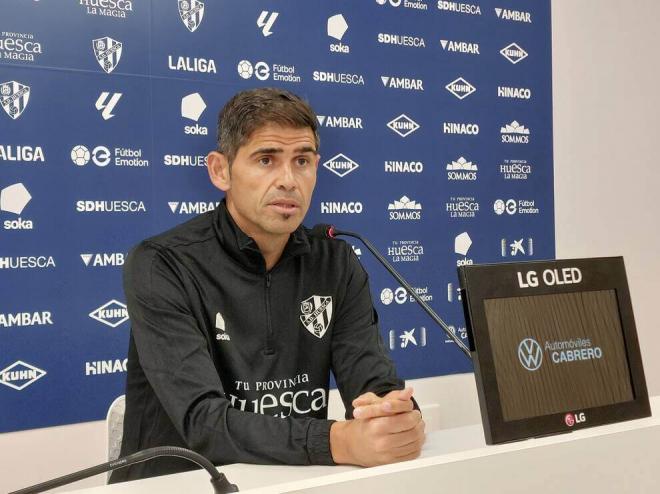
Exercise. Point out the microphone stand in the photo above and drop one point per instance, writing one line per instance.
(332, 232)
(218, 480)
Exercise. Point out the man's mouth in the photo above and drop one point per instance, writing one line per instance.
(285, 206)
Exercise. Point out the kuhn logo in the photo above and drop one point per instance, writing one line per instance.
(265, 22)
(403, 125)
(530, 354)
(460, 88)
(111, 314)
(106, 104)
(513, 53)
(341, 165)
(316, 314)
(107, 52)
(191, 13)
(20, 375)
(14, 98)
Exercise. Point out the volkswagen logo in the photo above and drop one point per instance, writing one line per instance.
(530, 354)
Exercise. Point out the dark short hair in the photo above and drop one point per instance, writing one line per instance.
(249, 110)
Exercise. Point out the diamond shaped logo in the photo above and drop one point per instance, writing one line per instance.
(341, 165)
(513, 53)
(20, 375)
(460, 88)
(111, 314)
(403, 125)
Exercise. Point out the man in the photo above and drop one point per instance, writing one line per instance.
(239, 316)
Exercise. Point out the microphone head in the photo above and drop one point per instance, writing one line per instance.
(322, 230)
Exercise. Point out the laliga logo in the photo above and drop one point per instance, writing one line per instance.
(530, 354)
(571, 419)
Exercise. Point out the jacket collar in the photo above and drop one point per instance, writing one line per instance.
(244, 249)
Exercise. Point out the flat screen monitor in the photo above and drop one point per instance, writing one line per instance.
(554, 346)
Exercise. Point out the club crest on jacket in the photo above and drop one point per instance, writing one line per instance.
(316, 314)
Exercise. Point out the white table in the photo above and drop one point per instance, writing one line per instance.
(617, 458)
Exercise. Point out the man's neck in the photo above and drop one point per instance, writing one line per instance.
(271, 245)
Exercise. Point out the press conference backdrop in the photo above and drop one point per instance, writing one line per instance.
(436, 143)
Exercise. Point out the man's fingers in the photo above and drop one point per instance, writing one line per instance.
(382, 409)
(366, 399)
(400, 394)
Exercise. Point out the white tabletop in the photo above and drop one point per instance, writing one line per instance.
(623, 457)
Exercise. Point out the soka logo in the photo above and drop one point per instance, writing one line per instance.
(460, 88)
(403, 125)
(404, 209)
(404, 166)
(462, 244)
(409, 4)
(335, 207)
(111, 314)
(407, 338)
(191, 64)
(21, 154)
(20, 375)
(103, 259)
(101, 156)
(189, 207)
(513, 15)
(19, 46)
(262, 71)
(402, 83)
(513, 53)
(462, 207)
(401, 40)
(108, 8)
(192, 107)
(530, 354)
(459, 7)
(107, 52)
(515, 133)
(265, 22)
(191, 13)
(14, 98)
(316, 314)
(339, 122)
(515, 170)
(337, 27)
(461, 169)
(341, 165)
(14, 199)
(460, 47)
(106, 104)
(405, 251)
(516, 247)
(221, 331)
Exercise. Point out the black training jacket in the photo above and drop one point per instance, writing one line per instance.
(233, 361)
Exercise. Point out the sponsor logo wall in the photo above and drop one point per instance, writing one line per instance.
(436, 143)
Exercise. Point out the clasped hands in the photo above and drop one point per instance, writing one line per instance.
(383, 430)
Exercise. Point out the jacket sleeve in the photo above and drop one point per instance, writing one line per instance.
(175, 358)
(359, 359)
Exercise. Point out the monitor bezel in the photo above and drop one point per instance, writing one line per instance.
(487, 281)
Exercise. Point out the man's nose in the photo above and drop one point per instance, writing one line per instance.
(286, 178)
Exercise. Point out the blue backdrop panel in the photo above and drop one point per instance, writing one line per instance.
(436, 143)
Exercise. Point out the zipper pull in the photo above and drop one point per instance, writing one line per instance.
(267, 280)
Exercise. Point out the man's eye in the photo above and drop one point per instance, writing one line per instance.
(265, 161)
(303, 161)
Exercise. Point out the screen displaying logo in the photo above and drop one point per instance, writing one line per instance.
(530, 354)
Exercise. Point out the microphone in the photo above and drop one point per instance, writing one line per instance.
(329, 231)
(219, 482)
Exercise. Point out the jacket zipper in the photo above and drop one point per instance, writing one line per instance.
(269, 326)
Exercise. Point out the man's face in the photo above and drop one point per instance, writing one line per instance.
(272, 179)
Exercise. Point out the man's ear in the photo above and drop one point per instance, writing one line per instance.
(218, 168)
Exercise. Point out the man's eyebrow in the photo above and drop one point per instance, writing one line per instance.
(273, 150)
(305, 149)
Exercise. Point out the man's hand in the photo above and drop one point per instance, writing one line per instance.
(385, 430)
